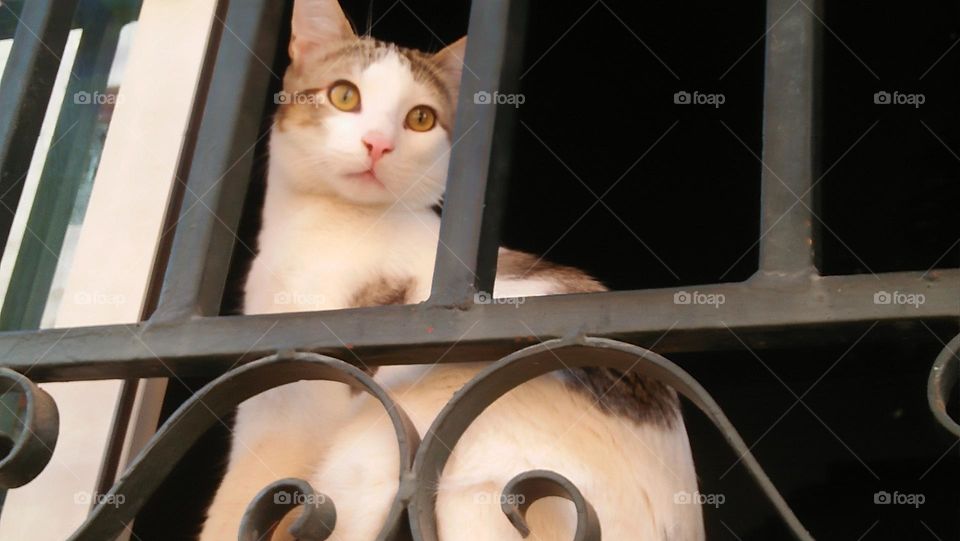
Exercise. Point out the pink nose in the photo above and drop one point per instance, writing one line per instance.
(377, 145)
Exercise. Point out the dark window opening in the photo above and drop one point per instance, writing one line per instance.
(600, 114)
(868, 429)
(891, 80)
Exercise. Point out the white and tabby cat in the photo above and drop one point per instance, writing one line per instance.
(359, 156)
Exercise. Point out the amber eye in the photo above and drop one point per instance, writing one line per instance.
(345, 96)
(421, 118)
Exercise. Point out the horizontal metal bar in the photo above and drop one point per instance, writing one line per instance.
(222, 162)
(479, 165)
(25, 92)
(786, 244)
(761, 314)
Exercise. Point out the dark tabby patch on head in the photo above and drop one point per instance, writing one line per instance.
(382, 292)
(341, 61)
(635, 397)
(366, 50)
(300, 110)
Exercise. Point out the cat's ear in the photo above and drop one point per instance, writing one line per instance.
(317, 24)
(450, 61)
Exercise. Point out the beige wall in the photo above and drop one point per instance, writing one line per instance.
(114, 252)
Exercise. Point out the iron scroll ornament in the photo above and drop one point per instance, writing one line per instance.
(29, 451)
(271, 505)
(944, 376)
(526, 488)
(534, 361)
(419, 472)
(216, 400)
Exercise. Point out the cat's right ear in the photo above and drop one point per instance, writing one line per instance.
(317, 24)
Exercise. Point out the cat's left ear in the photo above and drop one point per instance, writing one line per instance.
(317, 24)
(450, 61)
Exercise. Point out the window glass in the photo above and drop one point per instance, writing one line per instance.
(56, 188)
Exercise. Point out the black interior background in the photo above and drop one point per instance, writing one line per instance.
(600, 96)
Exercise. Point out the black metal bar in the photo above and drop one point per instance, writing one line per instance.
(25, 92)
(126, 402)
(824, 310)
(179, 189)
(469, 234)
(788, 138)
(119, 426)
(222, 163)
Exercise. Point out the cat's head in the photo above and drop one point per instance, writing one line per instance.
(360, 119)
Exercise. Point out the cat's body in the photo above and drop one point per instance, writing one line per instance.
(629, 472)
(335, 236)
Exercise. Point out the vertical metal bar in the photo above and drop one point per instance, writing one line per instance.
(469, 234)
(222, 161)
(127, 401)
(118, 432)
(789, 125)
(25, 92)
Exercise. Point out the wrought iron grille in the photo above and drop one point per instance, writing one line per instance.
(786, 302)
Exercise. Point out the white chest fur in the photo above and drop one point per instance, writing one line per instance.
(316, 252)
